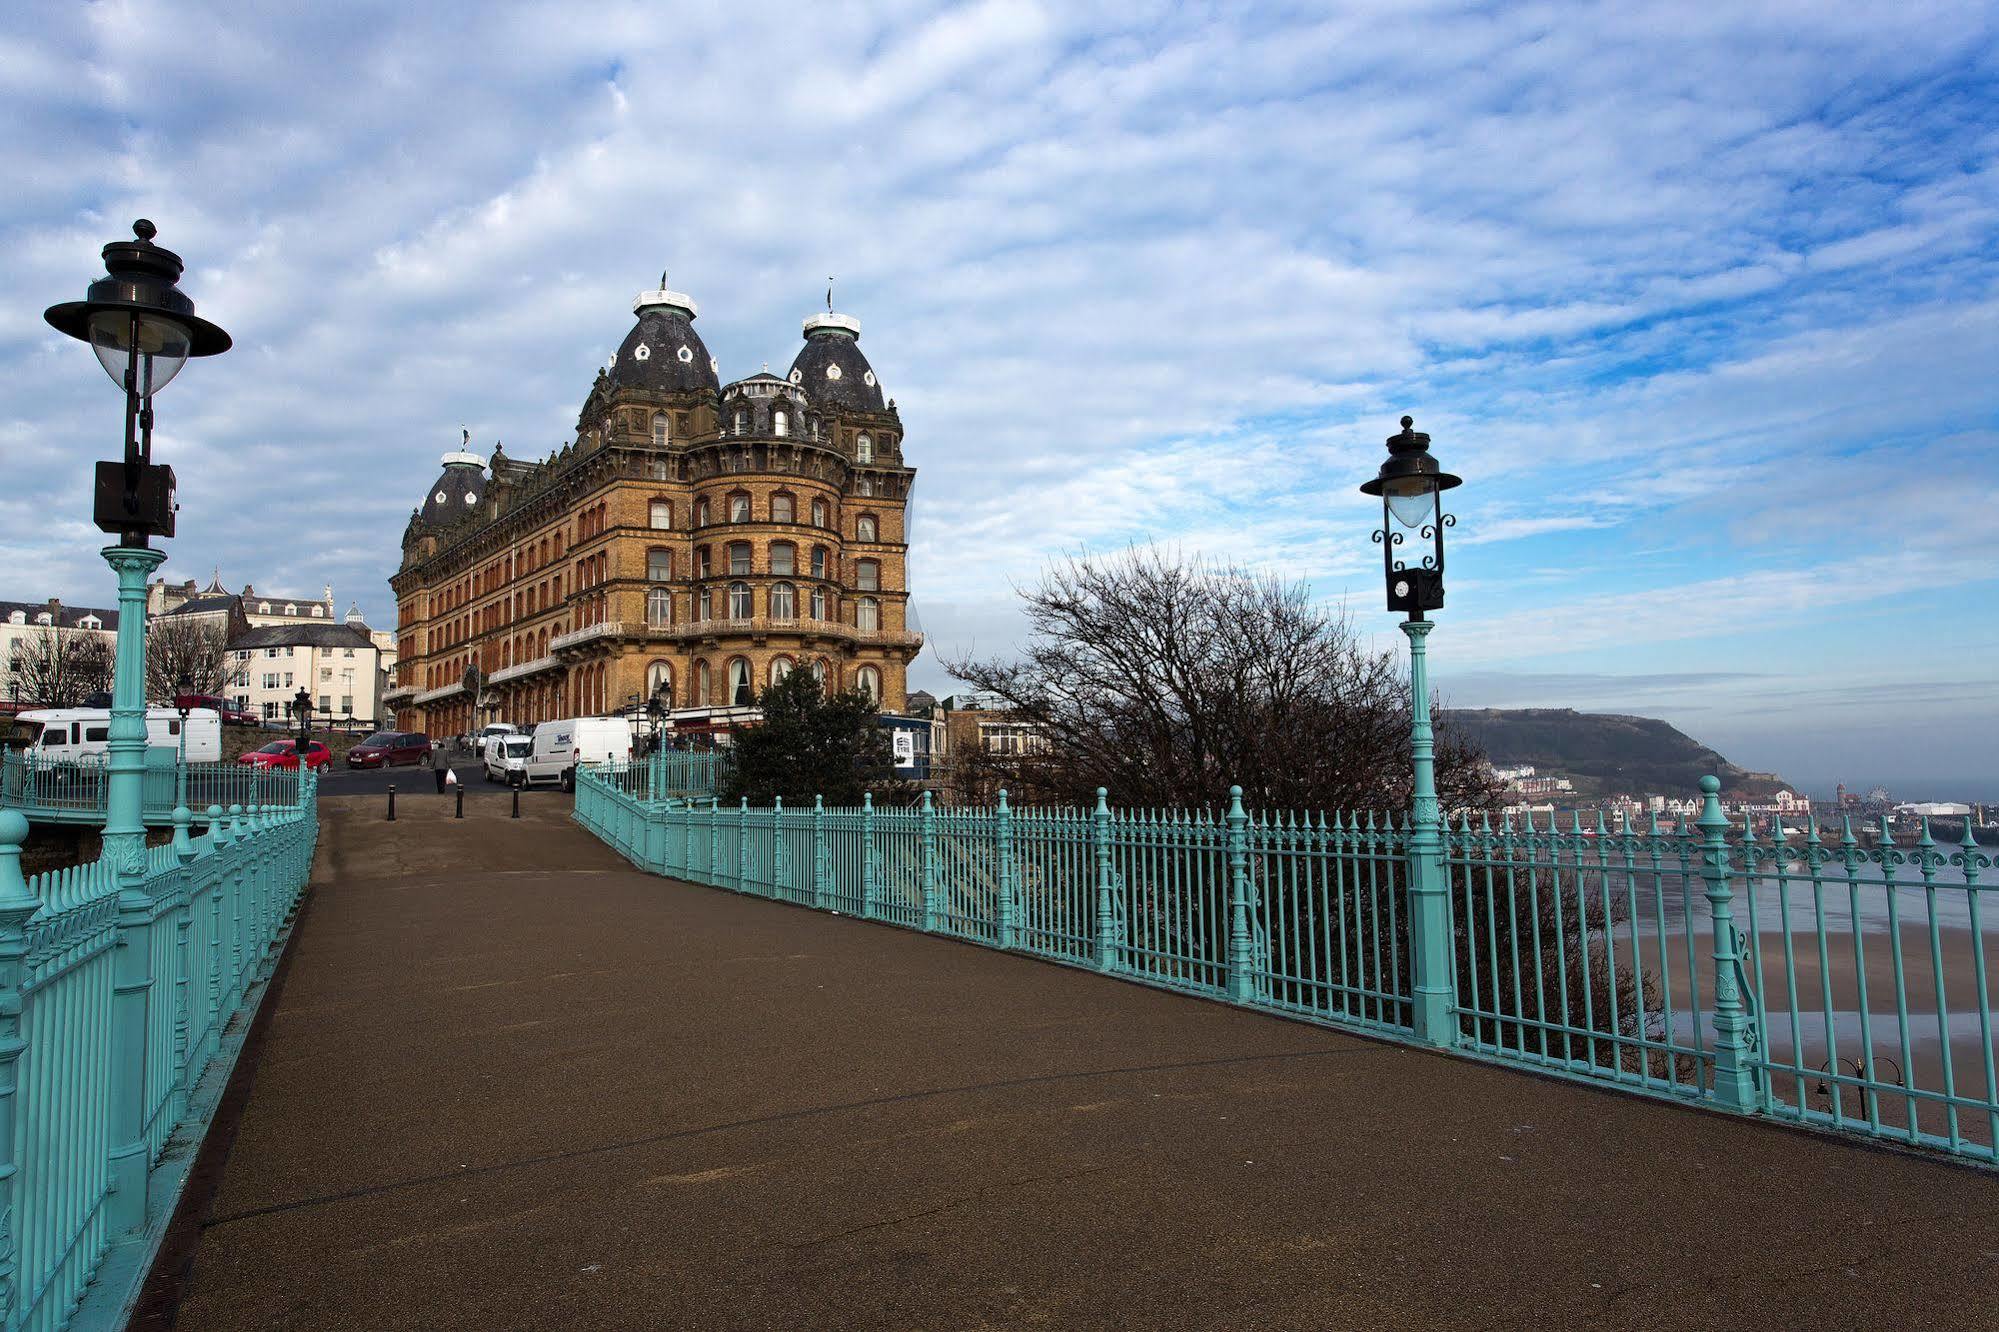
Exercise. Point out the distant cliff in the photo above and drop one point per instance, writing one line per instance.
(1606, 754)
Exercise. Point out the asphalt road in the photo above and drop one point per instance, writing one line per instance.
(509, 1082)
(340, 780)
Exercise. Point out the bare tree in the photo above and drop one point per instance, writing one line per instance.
(58, 667)
(184, 655)
(1169, 682)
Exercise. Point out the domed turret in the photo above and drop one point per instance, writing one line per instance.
(663, 353)
(831, 367)
(458, 491)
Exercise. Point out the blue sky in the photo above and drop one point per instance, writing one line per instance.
(1703, 302)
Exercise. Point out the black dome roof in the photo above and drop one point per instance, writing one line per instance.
(832, 370)
(663, 353)
(456, 493)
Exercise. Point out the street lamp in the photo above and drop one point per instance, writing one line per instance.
(1409, 484)
(143, 329)
(302, 706)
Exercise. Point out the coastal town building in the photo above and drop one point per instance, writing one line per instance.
(693, 543)
(339, 665)
(24, 622)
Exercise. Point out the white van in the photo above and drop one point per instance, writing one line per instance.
(491, 729)
(506, 758)
(559, 746)
(84, 734)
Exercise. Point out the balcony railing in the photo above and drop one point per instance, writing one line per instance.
(526, 668)
(589, 632)
(761, 625)
(432, 695)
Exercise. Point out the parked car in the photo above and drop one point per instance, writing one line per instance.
(284, 754)
(391, 749)
(506, 759)
(231, 712)
(558, 746)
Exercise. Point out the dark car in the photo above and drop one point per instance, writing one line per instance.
(231, 712)
(389, 749)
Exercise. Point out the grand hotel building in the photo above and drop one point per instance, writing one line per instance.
(695, 542)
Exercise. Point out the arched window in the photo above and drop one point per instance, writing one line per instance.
(869, 681)
(782, 508)
(704, 604)
(864, 448)
(739, 507)
(867, 614)
(739, 682)
(742, 605)
(659, 682)
(742, 422)
(739, 557)
(779, 668)
(864, 485)
(659, 430)
(704, 691)
(818, 603)
(659, 607)
(812, 424)
(783, 601)
(867, 575)
(780, 422)
(864, 527)
(656, 469)
(783, 558)
(702, 555)
(821, 561)
(701, 513)
(820, 671)
(290, 609)
(818, 513)
(659, 565)
(661, 514)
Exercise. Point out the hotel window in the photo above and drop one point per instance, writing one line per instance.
(742, 421)
(662, 514)
(864, 527)
(704, 605)
(781, 508)
(818, 603)
(779, 668)
(869, 680)
(659, 565)
(742, 605)
(659, 607)
(739, 508)
(659, 430)
(780, 422)
(739, 557)
(703, 689)
(820, 561)
(739, 683)
(819, 670)
(818, 513)
(867, 575)
(864, 448)
(783, 601)
(702, 568)
(864, 486)
(701, 513)
(867, 614)
(783, 557)
(659, 681)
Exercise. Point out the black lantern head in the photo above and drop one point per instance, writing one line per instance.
(1409, 483)
(136, 317)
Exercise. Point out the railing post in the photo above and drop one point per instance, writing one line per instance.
(1108, 942)
(779, 884)
(1430, 952)
(1734, 1029)
(870, 858)
(1009, 881)
(743, 844)
(820, 886)
(239, 885)
(218, 869)
(1242, 951)
(928, 835)
(17, 904)
(183, 922)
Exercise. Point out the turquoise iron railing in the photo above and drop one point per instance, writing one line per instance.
(1835, 981)
(64, 791)
(117, 986)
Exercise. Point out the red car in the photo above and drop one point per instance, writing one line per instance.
(284, 754)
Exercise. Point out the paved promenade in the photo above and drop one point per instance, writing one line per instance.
(508, 1082)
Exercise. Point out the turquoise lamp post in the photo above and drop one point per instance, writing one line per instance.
(1410, 483)
(143, 329)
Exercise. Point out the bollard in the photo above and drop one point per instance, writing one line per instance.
(459, 813)
(517, 803)
(392, 802)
